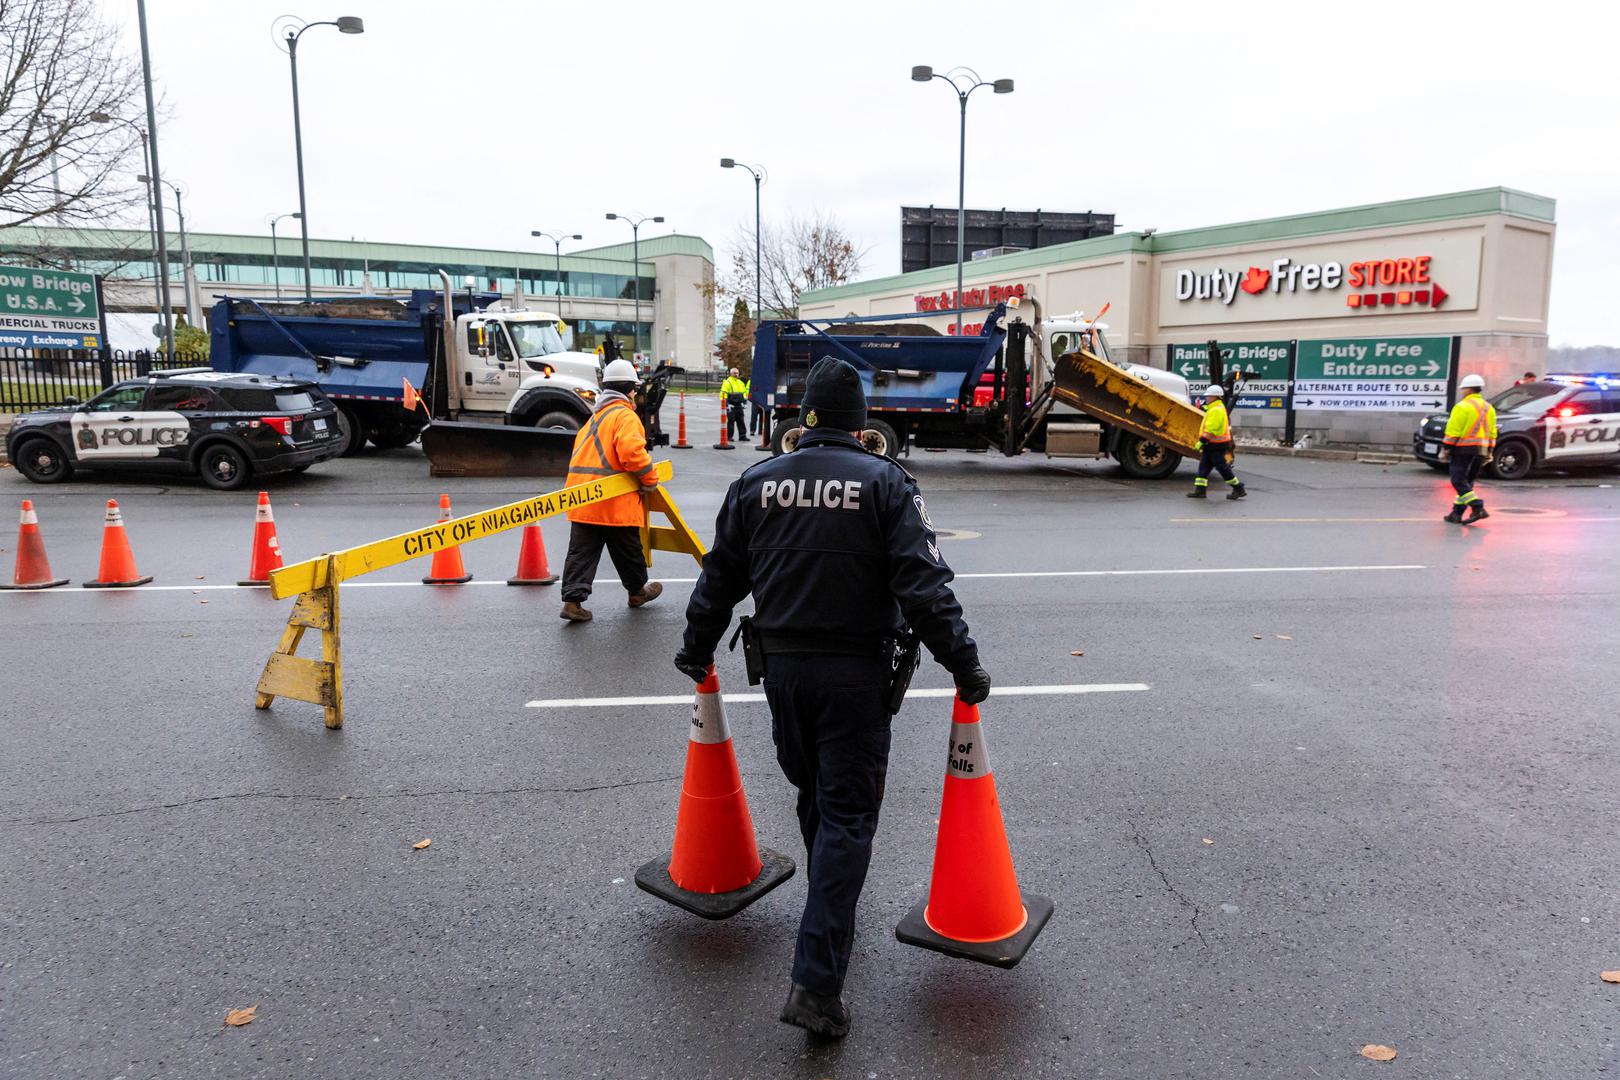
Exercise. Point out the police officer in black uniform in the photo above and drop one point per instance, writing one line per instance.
(836, 546)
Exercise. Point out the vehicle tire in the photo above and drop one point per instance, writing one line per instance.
(1143, 459)
(879, 438)
(223, 467)
(1514, 460)
(558, 419)
(394, 436)
(42, 461)
(785, 437)
(352, 430)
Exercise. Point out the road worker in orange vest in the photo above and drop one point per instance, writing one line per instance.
(1215, 446)
(1470, 445)
(613, 442)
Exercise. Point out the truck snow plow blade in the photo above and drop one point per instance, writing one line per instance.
(1095, 386)
(456, 448)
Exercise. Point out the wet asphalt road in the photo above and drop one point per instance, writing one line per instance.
(1397, 734)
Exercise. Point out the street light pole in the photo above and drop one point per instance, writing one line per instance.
(186, 272)
(347, 24)
(636, 221)
(275, 252)
(556, 241)
(151, 219)
(755, 171)
(963, 81)
(154, 170)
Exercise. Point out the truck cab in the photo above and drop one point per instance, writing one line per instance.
(518, 364)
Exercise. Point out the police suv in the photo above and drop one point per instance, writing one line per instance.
(225, 427)
(1562, 420)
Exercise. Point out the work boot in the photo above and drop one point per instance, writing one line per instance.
(1476, 512)
(1198, 493)
(574, 612)
(649, 592)
(825, 1016)
(1455, 517)
(1237, 491)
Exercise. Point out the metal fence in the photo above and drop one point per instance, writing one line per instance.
(33, 381)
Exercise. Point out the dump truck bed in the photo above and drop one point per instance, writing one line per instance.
(1103, 390)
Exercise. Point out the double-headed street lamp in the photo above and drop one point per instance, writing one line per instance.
(151, 213)
(275, 252)
(556, 240)
(185, 245)
(347, 24)
(758, 172)
(636, 221)
(963, 81)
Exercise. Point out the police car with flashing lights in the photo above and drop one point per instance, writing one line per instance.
(225, 427)
(1558, 421)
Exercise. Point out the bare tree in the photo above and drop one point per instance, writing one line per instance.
(64, 74)
(806, 253)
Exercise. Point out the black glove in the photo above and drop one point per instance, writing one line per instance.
(972, 685)
(693, 668)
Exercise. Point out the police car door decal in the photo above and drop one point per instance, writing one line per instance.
(109, 435)
(1591, 432)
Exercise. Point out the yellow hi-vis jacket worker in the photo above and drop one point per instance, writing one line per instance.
(613, 442)
(1472, 424)
(733, 390)
(1217, 426)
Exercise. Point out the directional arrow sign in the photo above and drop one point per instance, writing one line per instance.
(48, 309)
(1373, 374)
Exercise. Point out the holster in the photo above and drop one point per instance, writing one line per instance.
(753, 650)
(902, 652)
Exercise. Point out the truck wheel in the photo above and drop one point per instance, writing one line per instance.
(43, 462)
(394, 436)
(1143, 459)
(352, 430)
(879, 438)
(785, 439)
(1514, 460)
(558, 419)
(223, 467)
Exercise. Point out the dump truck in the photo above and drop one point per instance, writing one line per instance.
(486, 363)
(996, 390)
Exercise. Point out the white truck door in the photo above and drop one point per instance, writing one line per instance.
(489, 369)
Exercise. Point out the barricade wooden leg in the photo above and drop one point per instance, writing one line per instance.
(319, 682)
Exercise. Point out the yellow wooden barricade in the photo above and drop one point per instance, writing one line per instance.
(315, 581)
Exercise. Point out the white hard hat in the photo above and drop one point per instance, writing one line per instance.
(1472, 382)
(1214, 390)
(620, 371)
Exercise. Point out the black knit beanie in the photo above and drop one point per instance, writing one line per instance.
(833, 397)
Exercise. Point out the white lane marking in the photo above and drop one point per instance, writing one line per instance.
(736, 699)
(70, 590)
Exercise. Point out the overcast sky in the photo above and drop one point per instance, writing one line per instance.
(475, 122)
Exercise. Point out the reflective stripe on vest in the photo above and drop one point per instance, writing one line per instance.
(1475, 436)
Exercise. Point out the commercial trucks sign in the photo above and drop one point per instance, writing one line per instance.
(1264, 365)
(48, 309)
(1372, 374)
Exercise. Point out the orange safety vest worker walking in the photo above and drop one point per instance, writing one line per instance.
(1470, 445)
(1215, 447)
(612, 442)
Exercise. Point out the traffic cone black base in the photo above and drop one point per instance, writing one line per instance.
(118, 584)
(914, 930)
(51, 584)
(462, 580)
(775, 868)
(552, 580)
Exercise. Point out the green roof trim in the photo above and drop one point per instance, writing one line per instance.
(1460, 204)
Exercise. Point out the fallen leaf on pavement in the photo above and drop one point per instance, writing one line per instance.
(1078, 652)
(1283, 637)
(239, 1017)
(1207, 840)
(1257, 637)
(1375, 1052)
(1610, 976)
(420, 844)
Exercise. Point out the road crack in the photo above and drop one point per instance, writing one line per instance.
(1180, 898)
(311, 797)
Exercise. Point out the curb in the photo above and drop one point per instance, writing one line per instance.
(1369, 456)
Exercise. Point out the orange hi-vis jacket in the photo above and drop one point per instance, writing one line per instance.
(613, 442)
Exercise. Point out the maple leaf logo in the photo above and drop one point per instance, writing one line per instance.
(1255, 280)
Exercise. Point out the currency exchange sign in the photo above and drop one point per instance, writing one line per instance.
(48, 309)
(1264, 365)
(1372, 374)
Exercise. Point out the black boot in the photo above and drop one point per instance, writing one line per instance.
(1237, 491)
(1476, 512)
(1198, 493)
(826, 1016)
(1455, 517)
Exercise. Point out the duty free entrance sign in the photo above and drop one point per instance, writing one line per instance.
(48, 309)
(1373, 374)
(1264, 365)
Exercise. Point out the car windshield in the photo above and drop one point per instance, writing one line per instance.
(1529, 398)
(536, 338)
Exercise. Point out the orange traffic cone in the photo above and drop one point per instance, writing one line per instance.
(532, 568)
(725, 428)
(447, 568)
(974, 909)
(717, 867)
(764, 446)
(680, 435)
(33, 570)
(266, 553)
(117, 560)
